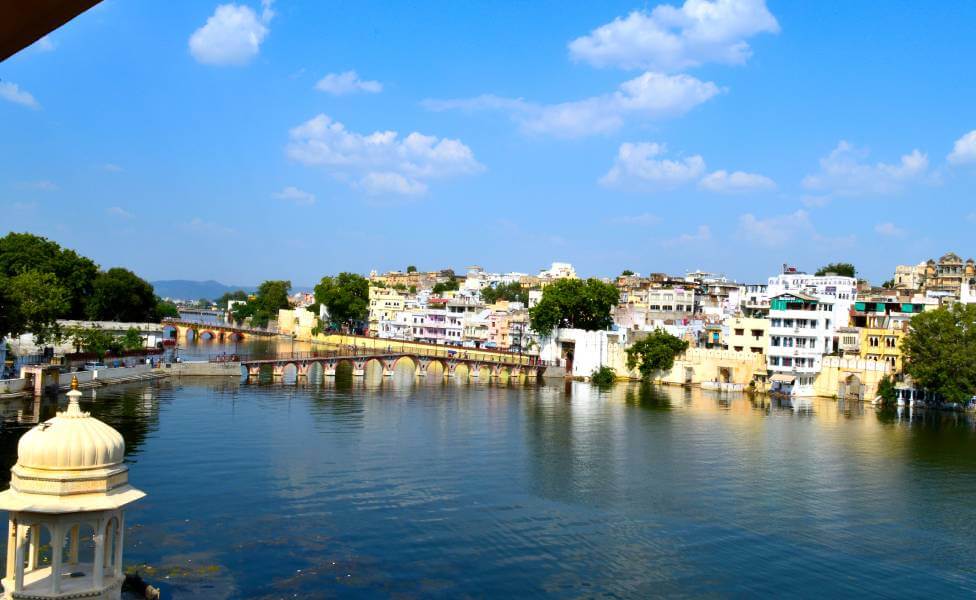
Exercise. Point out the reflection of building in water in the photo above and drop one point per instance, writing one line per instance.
(69, 487)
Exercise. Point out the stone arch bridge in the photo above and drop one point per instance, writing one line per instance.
(186, 330)
(484, 367)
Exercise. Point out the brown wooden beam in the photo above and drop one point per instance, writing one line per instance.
(23, 22)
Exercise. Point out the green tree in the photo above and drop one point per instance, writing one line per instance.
(840, 268)
(603, 376)
(627, 273)
(411, 269)
(450, 285)
(120, 295)
(655, 353)
(574, 303)
(940, 351)
(887, 391)
(228, 296)
(34, 302)
(94, 340)
(132, 340)
(345, 296)
(889, 284)
(512, 291)
(165, 310)
(20, 252)
(271, 296)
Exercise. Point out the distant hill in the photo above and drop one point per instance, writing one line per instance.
(185, 289)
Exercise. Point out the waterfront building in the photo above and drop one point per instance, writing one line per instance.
(882, 323)
(69, 485)
(801, 331)
(716, 295)
(384, 304)
(416, 280)
(747, 334)
(432, 324)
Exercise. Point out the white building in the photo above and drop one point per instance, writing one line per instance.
(558, 270)
(805, 314)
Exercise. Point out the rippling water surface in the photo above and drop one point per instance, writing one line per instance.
(445, 490)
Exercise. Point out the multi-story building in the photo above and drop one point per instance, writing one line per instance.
(747, 334)
(558, 270)
(755, 300)
(433, 325)
(384, 304)
(882, 324)
(944, 279)
(801, 330)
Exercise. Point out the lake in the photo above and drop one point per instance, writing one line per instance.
(420, 489)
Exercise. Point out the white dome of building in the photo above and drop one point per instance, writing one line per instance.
(71, 440)
(69, 475)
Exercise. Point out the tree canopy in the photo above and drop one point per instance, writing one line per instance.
(345, 296)
(20, 252)
(272, 295)
(450, 285)
(513, 292)
(655, 353)
(411, 269)
(32, 301)
(228, 296)
(120, 295)
(627, 273)
(940, 351)
(575, 304)
(841, 268)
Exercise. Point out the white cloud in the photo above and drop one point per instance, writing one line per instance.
(391, 182)
(641, 219)
(118, 211)
(889, 229)
(339, 84)
(672, 39)
(381, 161)
(702, 234)
(737, 181)
(11, 92)
(845, 172)
(964, 150)
(640, 163)
(112, 168)
(42, 185)
(232, 35)
(782, 230)
(45, 44)
(295, 195)
(648, 96)
(196, 225)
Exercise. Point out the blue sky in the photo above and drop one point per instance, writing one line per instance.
(250, 141)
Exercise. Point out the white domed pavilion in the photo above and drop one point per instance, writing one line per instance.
(69, 478)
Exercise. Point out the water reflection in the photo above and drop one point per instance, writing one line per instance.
(378, 486)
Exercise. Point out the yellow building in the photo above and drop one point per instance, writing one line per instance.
(747, 334)
(297, 322)
(849, 378)
(879, 344)
(384, 304)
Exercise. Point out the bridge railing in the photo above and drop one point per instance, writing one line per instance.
(443, 352)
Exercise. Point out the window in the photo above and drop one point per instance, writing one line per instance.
(889, 342)
(774, 341)
(873, 341)
(740, 332)
(777, 323)
(787, 361)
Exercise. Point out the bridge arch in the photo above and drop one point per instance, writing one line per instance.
(316, 372)
(436, 369)
(207, 335)
(504, 374)
(462, 372)
(289, 373)
(484, 374)
(373, 370)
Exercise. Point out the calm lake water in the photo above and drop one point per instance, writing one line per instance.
(421, 490)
